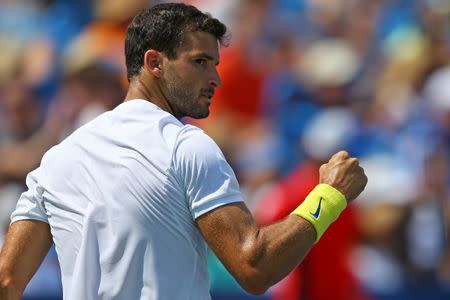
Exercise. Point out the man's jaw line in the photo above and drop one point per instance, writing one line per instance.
(139, 90)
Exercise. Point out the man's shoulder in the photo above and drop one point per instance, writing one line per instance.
(192, 143)
(194, 135)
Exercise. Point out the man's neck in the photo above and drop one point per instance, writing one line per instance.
(138, 89)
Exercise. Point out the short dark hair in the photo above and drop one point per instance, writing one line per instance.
(162, 27)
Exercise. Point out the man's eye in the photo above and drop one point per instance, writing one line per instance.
(201, 61)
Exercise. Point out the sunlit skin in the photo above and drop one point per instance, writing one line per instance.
(182, 86)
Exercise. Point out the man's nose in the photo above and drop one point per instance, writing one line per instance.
(215, 80)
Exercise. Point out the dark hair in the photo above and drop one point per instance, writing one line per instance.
(162, 28)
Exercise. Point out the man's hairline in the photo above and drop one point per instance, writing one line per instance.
(176, 51)
(183, 43)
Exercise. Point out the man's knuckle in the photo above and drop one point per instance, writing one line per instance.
(343, 153)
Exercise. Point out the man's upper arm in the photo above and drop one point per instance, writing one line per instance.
(28, 239)
(26, 245)
(256, 257)
(228, 230)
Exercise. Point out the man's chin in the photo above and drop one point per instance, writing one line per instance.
(200, 116)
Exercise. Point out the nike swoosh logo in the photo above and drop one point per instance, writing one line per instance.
(317, 213)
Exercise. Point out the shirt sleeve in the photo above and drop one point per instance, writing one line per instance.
(29, 206)
(207, 178)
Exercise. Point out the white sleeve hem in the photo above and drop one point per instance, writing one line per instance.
(213, 204)
(28, 218)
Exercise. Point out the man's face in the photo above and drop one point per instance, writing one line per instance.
(189, 80)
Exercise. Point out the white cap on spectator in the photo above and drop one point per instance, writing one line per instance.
(389, 181)
(328, 133)
(330, 62)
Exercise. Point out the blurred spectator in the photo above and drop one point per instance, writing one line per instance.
(379, 261)
(19, 119)
(19, 110)
(83, 95)
(316, 78)
(327, 133)
(33, 34)
(404, 233)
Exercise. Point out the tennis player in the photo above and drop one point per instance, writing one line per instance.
(133, 199)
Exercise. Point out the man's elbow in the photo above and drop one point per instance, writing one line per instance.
(255, 290)
(8, 288)
(252, 274)
(253, 281)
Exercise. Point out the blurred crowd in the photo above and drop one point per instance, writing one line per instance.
(301, 80)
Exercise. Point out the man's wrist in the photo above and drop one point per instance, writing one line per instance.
(321, 207)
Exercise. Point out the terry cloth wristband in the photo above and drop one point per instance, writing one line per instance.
(321, 207)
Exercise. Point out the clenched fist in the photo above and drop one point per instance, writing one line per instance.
(344, 174)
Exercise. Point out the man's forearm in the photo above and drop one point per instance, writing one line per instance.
(280, 247)
(257, 257)
(269, 253)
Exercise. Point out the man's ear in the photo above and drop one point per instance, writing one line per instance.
(152, 62)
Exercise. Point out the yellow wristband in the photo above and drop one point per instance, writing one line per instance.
(321, 207)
